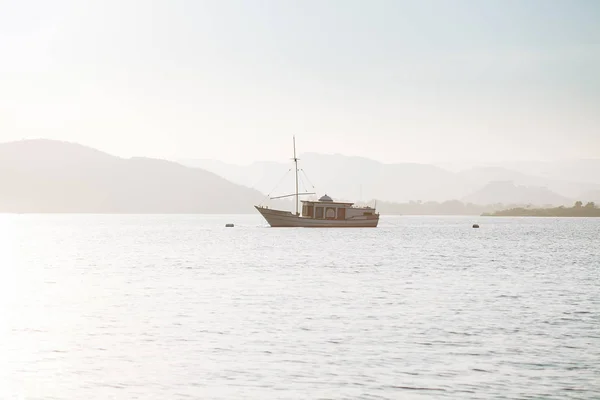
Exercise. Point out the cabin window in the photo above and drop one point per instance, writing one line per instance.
(307, 210)
(319, 212)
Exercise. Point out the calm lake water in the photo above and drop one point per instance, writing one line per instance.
(180, 307)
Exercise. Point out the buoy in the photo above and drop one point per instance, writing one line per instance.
(229, 225)
(475, 226)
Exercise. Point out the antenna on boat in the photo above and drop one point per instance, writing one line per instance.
(296, 162)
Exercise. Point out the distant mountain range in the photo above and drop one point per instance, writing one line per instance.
(356, 178)
(48, 176)
(51, 176)
(499, 192)
(582, 170)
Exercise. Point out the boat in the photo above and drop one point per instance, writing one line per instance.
(321, 213)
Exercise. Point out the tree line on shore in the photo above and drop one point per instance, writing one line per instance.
(456, 207)
(590, 209)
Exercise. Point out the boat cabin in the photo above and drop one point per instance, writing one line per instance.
(326, 208)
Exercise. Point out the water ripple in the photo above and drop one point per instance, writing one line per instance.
(177, 307)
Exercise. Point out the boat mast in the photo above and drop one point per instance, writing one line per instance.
(296, 162)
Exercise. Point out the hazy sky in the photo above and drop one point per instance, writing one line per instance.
(234, 80)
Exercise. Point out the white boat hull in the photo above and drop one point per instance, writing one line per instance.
(286, 219)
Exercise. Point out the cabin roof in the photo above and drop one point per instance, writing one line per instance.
(326, 202)
(325, 199)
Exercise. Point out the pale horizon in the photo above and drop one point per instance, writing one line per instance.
(394, 81)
